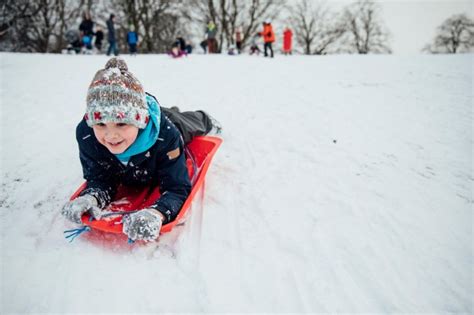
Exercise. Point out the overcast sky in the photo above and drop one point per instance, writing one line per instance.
(413, 23)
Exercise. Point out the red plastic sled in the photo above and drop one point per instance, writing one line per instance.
(128, 198)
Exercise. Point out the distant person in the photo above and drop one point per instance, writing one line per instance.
(238, 39)
(254, 49)
(111, 36)
(132, 41)
(183, 45)
(176, 51)
(181, 42)
(86, 30)
(232, 50)
(268, 38)
(73, 39)
(189, 49)
(87, 25)
(99, 37)
(211, 32)
(287, 41)
(203, 45)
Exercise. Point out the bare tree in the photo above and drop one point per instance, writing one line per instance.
(68, 12)
(314, 28)
(36, 26)
(228, 15)
(16, 17)
(365, 32)
(455, 35)
(40, 25)
(156, 21)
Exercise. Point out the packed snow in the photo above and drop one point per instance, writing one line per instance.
(344, 184)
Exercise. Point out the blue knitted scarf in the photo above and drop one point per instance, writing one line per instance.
(147, 137)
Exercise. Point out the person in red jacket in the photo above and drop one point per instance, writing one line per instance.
(268, 37)
(287, 38)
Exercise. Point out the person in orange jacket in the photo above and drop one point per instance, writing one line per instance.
(287, 37)
(268, 37)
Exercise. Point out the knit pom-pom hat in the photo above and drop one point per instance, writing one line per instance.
(115, 95)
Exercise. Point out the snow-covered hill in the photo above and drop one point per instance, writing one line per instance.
(344, 184)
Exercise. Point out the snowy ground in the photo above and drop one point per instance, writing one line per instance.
(344, 184)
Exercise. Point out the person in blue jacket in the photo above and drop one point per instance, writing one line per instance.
(132, 40)
(126, 138)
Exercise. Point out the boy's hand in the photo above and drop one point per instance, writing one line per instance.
(74, 209)
(143, 225)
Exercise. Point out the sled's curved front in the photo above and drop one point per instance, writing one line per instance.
(129, 198)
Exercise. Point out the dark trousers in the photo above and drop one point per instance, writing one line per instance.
(132, 48)
(112, 47)
(203, 45)
(239, 46)
(268, 45)
(190, 124)
(212, 45)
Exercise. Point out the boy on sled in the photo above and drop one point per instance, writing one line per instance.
(126, 138)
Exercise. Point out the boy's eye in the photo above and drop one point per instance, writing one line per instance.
(101, 124)
(121, 125)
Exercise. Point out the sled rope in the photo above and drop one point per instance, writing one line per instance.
(72, 234)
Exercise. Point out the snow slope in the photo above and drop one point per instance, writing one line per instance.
(344, 184)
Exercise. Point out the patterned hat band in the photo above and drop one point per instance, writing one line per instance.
(125, 114)
(115, 95)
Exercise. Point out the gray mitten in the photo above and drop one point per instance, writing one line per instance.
(74, 209)
(143, 225)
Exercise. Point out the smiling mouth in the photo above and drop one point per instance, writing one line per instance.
(114, 144)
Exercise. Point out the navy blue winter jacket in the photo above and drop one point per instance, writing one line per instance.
(104, 172)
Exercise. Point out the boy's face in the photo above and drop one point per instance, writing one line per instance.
(116, 137)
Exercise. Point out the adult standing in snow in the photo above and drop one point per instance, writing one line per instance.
(126, 138)
(86, 29)
(211, 32)
(112, 40)
(287, 41)
(268, 38)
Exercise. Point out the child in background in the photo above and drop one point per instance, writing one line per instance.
(99, 37)
(232, 50)
(132, 40)
(203, 45)
(287, 41)
(74, 41)
(254, 46)
(176, 51)
(238, 39)
(126, 138)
